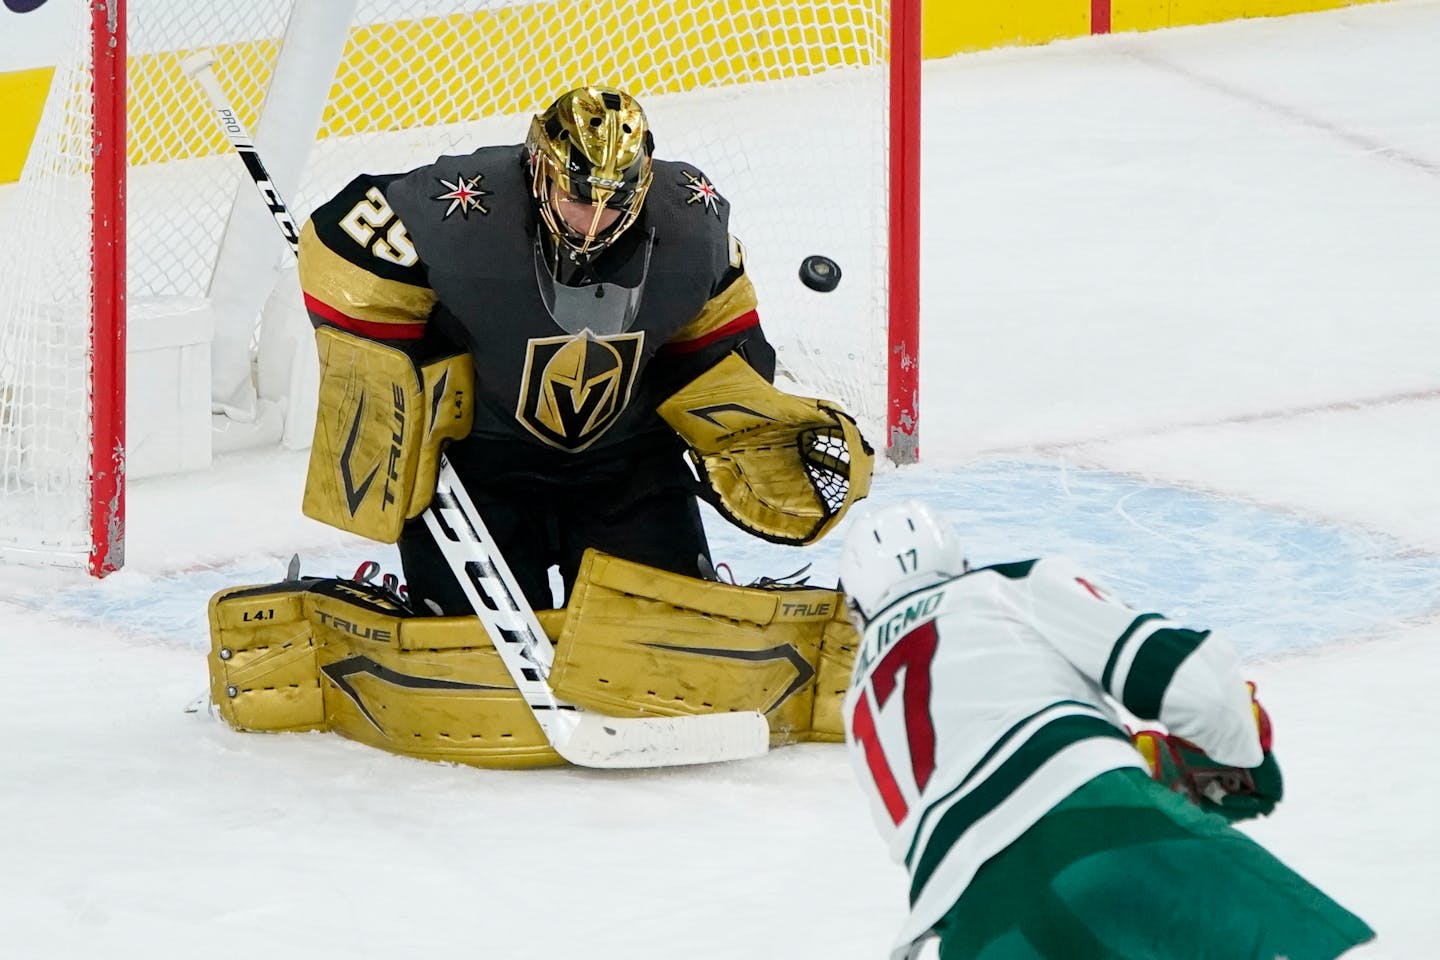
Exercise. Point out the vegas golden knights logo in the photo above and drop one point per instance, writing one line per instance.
(575, 388)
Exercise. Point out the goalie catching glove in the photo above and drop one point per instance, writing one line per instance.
(1235, 793)
(782, 467)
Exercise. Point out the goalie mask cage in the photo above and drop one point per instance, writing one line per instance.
(803, 113)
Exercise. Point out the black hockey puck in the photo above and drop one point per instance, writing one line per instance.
(820, 273)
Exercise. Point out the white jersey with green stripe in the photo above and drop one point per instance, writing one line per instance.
(981, 702)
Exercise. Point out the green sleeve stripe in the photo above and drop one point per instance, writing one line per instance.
(1135, 624)
(1019, 767)
(1018, 570)
(999, 745)
(1155, 664)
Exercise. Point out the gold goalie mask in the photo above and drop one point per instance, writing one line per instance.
(592, 146)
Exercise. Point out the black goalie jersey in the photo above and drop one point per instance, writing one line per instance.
(452, 252)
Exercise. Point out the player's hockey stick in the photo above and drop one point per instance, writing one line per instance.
(581, 737)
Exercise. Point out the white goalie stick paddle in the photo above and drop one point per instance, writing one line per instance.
(581, 737)
(584, 738)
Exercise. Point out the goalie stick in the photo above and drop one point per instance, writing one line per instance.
(581, 737)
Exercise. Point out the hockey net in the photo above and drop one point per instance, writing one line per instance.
(786, 105)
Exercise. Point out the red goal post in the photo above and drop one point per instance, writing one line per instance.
(804, 113)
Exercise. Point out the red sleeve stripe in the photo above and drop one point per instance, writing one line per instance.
(746, 320)
(366, 328)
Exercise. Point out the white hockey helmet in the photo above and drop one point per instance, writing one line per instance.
(895, 550)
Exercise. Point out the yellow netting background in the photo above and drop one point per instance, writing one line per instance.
(781, 102)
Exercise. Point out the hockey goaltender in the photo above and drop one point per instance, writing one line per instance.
(543, 333)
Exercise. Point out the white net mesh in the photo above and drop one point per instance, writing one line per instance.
(44, 324)
(783, 103)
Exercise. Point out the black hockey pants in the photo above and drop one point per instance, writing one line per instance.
(642, 509)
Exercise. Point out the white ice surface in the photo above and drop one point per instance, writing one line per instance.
(1179, 322)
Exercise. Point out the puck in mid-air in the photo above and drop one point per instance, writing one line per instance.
(820, 273)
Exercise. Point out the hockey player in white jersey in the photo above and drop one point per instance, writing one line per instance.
(983, 725)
